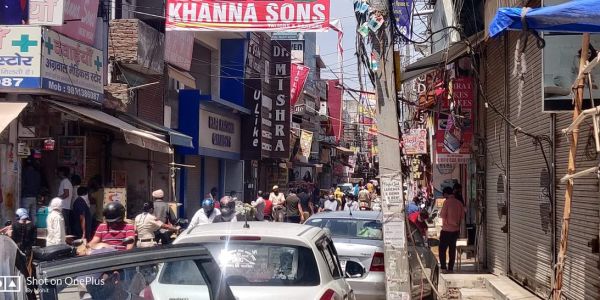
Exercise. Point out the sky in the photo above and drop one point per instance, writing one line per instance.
(327, 43)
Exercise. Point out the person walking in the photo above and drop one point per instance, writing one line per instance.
(206, 214)
(307, 205)
(114, 231)
(23, 231)
(364, 197)
(31, 187)
(294, 212)
(81, 225)
(146, 225)
(55, 223)
(452, 214)
(65, 192)
(278, 200)
(259, 206)
(268, 211)
(330, 204)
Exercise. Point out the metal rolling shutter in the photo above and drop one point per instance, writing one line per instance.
(582, 274)
(530, 221)
(495, 160)
(192, 185)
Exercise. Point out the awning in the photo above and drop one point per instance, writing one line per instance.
(435, 60)
(344, 149)
(10, 111)
(132, 134)
(176, 138)
(182, 76)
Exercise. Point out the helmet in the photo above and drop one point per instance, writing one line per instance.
(208, 204)
(22, 214)
(114, 211)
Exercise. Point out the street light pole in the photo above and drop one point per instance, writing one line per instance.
(395, 241)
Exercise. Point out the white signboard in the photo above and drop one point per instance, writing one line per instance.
(72, 68)
(219, 132)
(20, 48)
(297, 52)
(391, 191)
(46, 12)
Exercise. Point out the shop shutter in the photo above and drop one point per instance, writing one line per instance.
(495, 160)
(530, 226)
(192, 185)
(581, 278)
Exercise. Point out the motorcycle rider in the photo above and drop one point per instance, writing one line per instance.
(146, 225)
(163, 213)
(114, 231)
(206, 214)
(278, 200)
(227, 211)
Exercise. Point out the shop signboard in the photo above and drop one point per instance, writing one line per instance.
(298, 79)
(32, 12)
(72, 68)
(252, 139)
(297, 52)
(402, 10)
(415, 141)
(454, 132)
(20, 48)
(219, 132)
(80, 17)
(249, 15)
(280, 73)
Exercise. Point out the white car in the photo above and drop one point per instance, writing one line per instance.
(274, 260)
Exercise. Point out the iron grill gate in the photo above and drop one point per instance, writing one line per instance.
(581, 279)
(530, 209)
(495, 161)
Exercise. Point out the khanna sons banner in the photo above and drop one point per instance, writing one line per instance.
(248, 15)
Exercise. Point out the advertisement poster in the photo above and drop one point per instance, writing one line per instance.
(81, 18)
(72, 68)
(298, 78)
(415, 142)
(402, 10)
(20, 49)
(250, 15)
(31, 12)
(454, 134)
(306, 138)
(280, 83)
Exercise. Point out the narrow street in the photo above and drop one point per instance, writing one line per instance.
(299, 149)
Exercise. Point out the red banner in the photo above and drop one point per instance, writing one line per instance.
(455, 133)
(334, 103)
(299, 76)
(248, 15)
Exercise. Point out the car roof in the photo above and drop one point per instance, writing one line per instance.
(263, 229)
(358, 214)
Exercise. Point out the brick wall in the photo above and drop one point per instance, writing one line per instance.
(123, 40)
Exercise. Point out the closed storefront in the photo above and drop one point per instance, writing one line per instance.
(496, 192)
(581, 277)
(530, 211)
(193, 190)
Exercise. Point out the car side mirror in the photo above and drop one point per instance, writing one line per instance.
(433, 242)
(354, 270)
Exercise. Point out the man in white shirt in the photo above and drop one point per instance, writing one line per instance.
(330, 204)
(278, 200)
(65, 192)
(206, 214)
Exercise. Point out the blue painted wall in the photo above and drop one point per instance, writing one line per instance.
(233, 60)
(189, 118)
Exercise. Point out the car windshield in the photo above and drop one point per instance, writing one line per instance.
(257, 264)
(350, 228)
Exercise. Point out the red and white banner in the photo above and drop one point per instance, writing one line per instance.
(248, 15)
(81, 16)
(299, 76)
(334, 103)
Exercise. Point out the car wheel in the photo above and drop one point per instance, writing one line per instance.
(434, 279)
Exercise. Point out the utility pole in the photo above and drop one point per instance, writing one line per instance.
(395, 238)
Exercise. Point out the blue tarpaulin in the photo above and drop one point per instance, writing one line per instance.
(573, 16)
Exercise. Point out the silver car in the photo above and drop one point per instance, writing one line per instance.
(358, 237)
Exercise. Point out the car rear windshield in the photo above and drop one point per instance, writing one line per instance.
(350, 228)
(258, 264)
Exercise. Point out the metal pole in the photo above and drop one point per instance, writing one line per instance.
(395, 243)
(564, 235)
